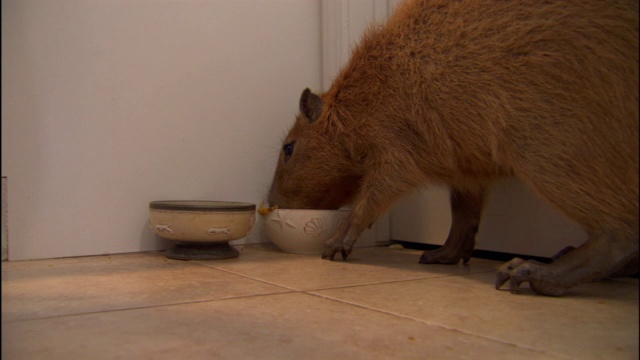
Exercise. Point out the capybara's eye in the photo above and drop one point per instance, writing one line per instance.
(288, 150)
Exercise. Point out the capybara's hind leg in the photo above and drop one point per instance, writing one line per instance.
(562, 253)
(632, 268)
(466, 210)
(602, 255)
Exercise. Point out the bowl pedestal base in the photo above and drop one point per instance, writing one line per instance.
(185, 250)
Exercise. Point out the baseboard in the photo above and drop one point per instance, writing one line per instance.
(481, 254)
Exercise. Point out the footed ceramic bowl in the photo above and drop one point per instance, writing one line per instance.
(201, 221)
(300, 231)
(202, 228)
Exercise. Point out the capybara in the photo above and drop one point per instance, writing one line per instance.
(463, 93)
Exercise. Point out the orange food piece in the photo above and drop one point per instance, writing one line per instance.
(263, 210)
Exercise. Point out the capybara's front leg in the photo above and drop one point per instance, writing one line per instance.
(342, 241)
(379, 189)
(363, 214)
(602, 255)
(466, 210)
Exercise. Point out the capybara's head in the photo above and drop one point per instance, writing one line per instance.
(314, 169)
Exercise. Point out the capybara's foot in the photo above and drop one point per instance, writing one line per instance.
(331, 248)
(441, 256)
(466, 208)
(540, 278)
(342, 242)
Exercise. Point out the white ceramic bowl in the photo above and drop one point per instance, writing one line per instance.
(201, 221)
(299, 231)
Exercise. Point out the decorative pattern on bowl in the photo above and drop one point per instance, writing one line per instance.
(314, 227)
(201, 221)
(302, 231)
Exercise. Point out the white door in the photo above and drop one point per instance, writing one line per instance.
(515, 220)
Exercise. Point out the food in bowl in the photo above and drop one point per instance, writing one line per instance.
(263, 210)
(302, 231)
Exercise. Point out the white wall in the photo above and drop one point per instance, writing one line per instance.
(343, 23)
(107, 105)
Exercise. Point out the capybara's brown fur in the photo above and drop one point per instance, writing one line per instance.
(465, 92)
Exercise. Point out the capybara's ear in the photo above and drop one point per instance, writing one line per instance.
(310, 105)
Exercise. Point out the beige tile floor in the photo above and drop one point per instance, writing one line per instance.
(266, 304)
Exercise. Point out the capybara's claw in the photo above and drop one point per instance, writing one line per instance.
(508, 272)
(539, 277)
(501, 278)
(328, 254)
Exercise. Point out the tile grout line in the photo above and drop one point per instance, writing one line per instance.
(311, 293)
(147, 307)
(393, 281)
(342, 286)
(288, 290)
(252, 278)
(386, 312)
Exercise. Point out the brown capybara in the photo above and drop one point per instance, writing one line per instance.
(466, 92)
